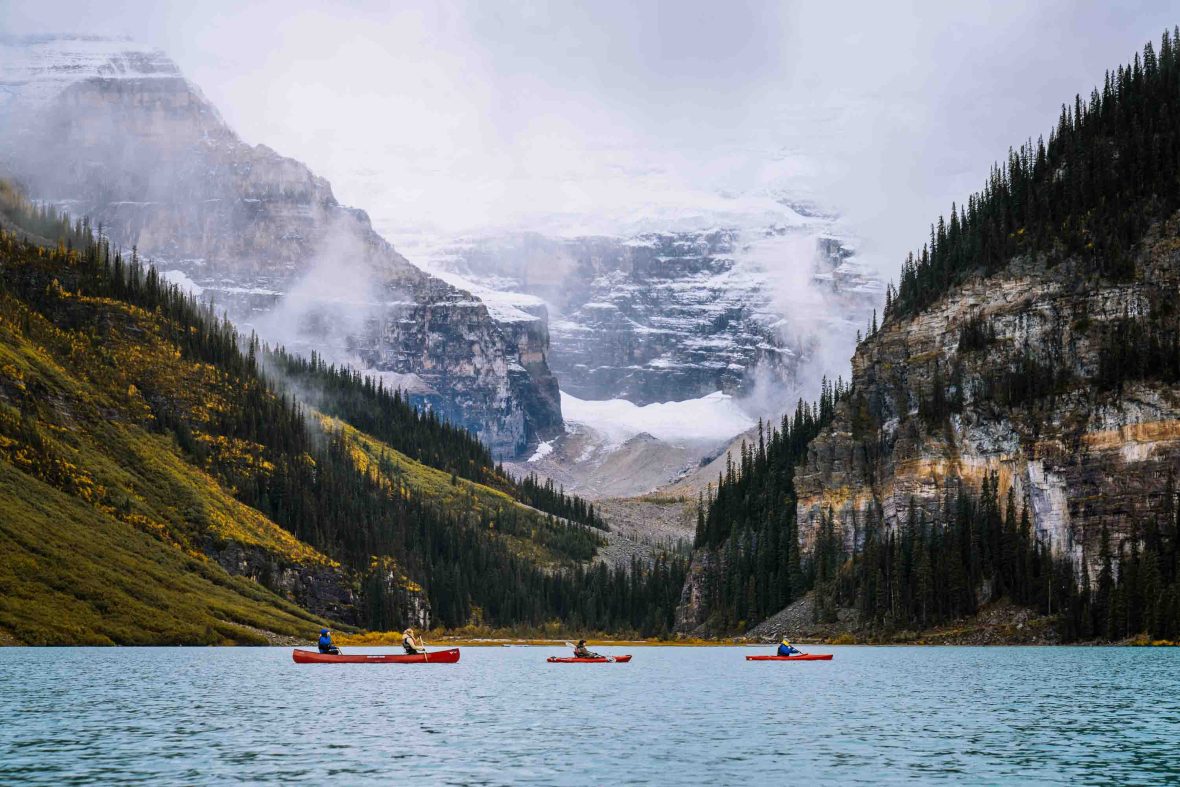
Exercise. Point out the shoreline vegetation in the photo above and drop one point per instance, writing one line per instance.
(976, 631)
(448, 641)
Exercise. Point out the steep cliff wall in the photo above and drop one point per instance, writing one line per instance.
(1006, 374)
(114, 132)
(670, 316)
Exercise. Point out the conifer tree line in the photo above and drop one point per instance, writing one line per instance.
(1106, 174)
(931, 569)
(465, 562)
(347, 394)
(1145, 347)
(419, 433)
(42, 221)
(553, 499)
(747, 522)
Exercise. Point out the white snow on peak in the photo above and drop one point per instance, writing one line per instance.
(714, 417)
(503, 306)
(36, 68)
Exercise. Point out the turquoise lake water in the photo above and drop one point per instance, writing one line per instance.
(672, 716)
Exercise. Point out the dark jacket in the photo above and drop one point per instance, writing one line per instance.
(325, 643)
(788, 650)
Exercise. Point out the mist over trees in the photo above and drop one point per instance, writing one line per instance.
(1106, 175)
(306, 479)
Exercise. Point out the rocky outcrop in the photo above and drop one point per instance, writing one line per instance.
(113, 131)
(327, 589)
(996, 623)
(691, 611)
(1000, 376)
(324, 590)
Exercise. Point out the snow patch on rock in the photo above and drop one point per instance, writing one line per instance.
(181, 280)
(543, 450)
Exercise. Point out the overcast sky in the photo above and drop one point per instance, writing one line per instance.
(445, 117)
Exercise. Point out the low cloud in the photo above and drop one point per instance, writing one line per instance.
(335, 304)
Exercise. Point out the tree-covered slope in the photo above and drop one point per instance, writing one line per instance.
(195, 455)
(1012, 428)
(109, 533)
(1106, 175)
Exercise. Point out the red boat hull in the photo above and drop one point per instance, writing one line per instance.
(559, 660)
(315, 657)
(804, 657)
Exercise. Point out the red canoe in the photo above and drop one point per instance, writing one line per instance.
(315, 657)
(615, 660)
(803, 657)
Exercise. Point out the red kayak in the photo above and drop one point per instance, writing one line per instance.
(802, 657)
(315, 657)
(603, 660)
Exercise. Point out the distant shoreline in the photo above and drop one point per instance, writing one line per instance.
(442, 644)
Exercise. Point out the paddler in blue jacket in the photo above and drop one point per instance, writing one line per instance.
(787, 649)
(326, 645)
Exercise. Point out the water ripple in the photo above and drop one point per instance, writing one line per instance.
(503, 716)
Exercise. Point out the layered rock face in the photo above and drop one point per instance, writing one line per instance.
(672, 316)
(112, 131)
(1083, 457)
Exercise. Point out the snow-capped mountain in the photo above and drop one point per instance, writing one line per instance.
(675, 339)
(731, 306)
(673, 316)
(111, 130)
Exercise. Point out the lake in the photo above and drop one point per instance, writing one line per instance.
(673, 715)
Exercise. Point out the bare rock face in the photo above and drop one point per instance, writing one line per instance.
(328, 590)
(669, 316)
(690, 612)
(1081, 456)
(113, 131)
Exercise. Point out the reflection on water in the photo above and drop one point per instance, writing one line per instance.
(673, 715)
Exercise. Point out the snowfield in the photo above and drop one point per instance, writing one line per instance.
(715, 417)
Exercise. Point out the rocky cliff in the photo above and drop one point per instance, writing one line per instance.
(670, 316)
(113, 131)
(1010, 374)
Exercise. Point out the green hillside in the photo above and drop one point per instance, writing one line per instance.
(104, 526)
(163, 485)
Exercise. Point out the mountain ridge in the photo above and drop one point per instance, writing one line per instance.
(113, 131)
